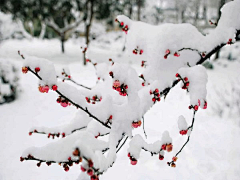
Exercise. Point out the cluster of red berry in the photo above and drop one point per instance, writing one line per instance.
(132, 159)
(184, 80)
(63, 102)
(167, 147)
(121, 88)
(136, 50)
(84, 49)
(136, 124)
(230, 42)
(156, 95)
(94, 99)
(172, 164)
(183, 132)
(66, 75)
(88, 168)
(124, 27)
(167, 52)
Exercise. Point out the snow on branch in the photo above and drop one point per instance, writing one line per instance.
(170, 53)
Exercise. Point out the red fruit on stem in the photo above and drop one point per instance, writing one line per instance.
(24, 70)
(126, 86)
(150, 92)
(69, 77)
(129, 155)
(176, 54)
(21, 159)
(122, 24)
(143, 84)
(177, 75)
(66, 168)
(90, 163)
(37, 69)
(196, 107)
(110, 117)
(174, 158)
(30, 133)
(153, 99)
(141, 51)
(69, 158)
(167, 51)
(164, 147)
(169, 147)
(185, 79)
(205, 105)
(83, 169)
(161, 157)
(90, 172)
(156, 90)
(187, 84)
(63, 135)
(94, 177)
(133, 161)
(54, 87)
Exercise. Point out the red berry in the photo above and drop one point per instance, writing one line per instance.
(205, 105)
(196, 107)
(153, 99)
(122, 24)
(167, 51)
(150, 92)
(110, 117)
(143, 84)
(164, 147)
(63, 135)
(69, 158)
(141, 51)
(176, 54)
(126, 86)
(185, 79)
(90, 172)
(37, 69)
(94, 177)
(169, 147)
(161, 157)
(165, 56)
(83, 169)
(177, 75)
(90, 163)
(69, 77)
(129, 155)
(187, 84)
(66, 168)
(156, 90)
(133, 161)
(24, 70)
(54, 87)
(30, 133)
(38, 164)
(21, 159)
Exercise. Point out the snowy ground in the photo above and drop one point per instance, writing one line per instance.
(213, 152)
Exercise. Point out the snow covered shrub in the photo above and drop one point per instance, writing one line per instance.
(8, 81)
(168, 54)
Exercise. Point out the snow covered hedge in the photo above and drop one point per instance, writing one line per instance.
(169, 54)
(8, 81)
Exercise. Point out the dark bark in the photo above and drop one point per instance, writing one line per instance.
(222, 2)
(139, 10)
(62, 42)
(88, 27)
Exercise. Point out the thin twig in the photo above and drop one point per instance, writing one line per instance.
(144, 128)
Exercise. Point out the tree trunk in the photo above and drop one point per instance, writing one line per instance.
(222, 2)
(139, 10)
(88, 28)
(62, 42)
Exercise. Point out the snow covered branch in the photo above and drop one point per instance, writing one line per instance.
(171, 54)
